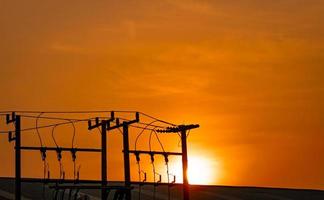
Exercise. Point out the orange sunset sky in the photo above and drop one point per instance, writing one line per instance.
(249, 72)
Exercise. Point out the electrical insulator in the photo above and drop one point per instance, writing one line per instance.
(43, 153)
(137, 155)
(73, 153)
(166, 159)
(59, 154)
(152, 157)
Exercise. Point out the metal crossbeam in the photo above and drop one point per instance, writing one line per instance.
(60, 149)
(178, 129)
(155, 153)
(119, 125)
(105, 124)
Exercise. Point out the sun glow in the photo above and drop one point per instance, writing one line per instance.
(201, 171)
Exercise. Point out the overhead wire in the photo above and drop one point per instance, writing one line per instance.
(64, 123)
(169, 123)
(40, 113)
(75, 173)
(146, 126)
(59, 155)
(166, 159)
(138, 158)
(87, 112)
(138, 136)
(53, 137)
(39, 137)
(69, 112)
(74, 130)
(153, 166)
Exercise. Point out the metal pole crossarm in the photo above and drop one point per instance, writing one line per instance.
(155, 152)
(60, 149)
(178, 128)
(66, 181)
(98, 124)
(119, 125)
(104, 124)
(132, 121)
(13, 118)
(40, 180)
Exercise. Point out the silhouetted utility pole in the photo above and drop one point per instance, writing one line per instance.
(104, 159)
(183, 131)
(105, 125)
(126, 159)
(16, 120)
(184, 164)
(18, 159)
(125, 125)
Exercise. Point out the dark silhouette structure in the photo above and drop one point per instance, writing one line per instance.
(105, 125)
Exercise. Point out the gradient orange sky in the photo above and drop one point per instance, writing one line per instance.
(249, 72)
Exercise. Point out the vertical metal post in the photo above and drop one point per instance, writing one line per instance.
(18, 158)
(185, 165)
(104, 160)
(126, 160)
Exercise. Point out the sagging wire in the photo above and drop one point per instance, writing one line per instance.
(74, 130)
(166, 159)
(148, 124)
(59, 155)
(64, 123)
(76, 172)
(53, 137)
(145, 128)
(40, 113)
(87, 112)
(165, 122)
(36, 123)
(51, 125)
(153, 167)
(138, 160)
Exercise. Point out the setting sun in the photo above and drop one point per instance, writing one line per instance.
(201, 171)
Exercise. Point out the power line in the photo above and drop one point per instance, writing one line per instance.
(87, 112)
(103, 124)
